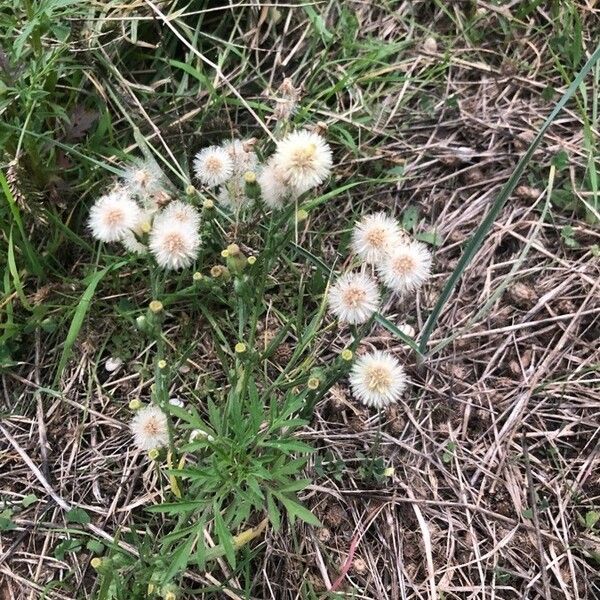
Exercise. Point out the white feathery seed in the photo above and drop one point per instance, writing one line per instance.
(375, 236)
(273, 189)
(353, 298)
(242, 158)
(181, 212)
(377, 379)
(213, 166)
(233, 194)
(406, 268)
(112, 216)
(304, 158)
(143, 177)
(131, 239)
(149, 428)
(174, 244)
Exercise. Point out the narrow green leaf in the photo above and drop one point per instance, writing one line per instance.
(224, 538)
(273, 512)
(296, 509)
(79, 316)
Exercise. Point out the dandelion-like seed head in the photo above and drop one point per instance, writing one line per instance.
(112, 216)
(149, 428)
(131, 240)
(174, 244)
(377, 379)
(143, 177)
(273, 187)
(181, 212)
(213, 166)
(233, 194)
(407, 267)
(353, 298)
(305, 159)
(243, 158)
(374, 236)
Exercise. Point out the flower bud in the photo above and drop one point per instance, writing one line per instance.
(301, 215)
(141, 323)
(313, 383)
(220, 271)
(135, 404)
(347, 354)
(155, 306)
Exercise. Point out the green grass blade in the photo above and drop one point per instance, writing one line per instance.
(79, 316)
(32, 259)
(505, 192)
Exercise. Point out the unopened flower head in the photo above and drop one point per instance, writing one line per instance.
(374, 236)
(407, 267)
(143, 177)
(174, 245)
(181, 212)
(242, 156)
(273, 188)
(377, 379)
(213, 166)
(149, 427)
(305, 159)
(112, 216)
(353, 298)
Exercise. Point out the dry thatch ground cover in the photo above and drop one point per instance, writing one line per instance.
(484, 481)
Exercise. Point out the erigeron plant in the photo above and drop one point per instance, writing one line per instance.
(243, 456)
(244, 444)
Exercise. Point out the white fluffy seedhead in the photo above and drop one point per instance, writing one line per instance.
(375, 236)
(112, 216)
(149, 428)
(377, 379)
(213, 166)
(243, 158)
(274, 191)
(142, 178)
(174, 244)
(181, 212)
(304, 159)
(407, 267)
(353, 298)
(233, 194)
